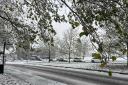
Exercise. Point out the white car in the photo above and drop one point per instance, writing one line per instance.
(87, 59)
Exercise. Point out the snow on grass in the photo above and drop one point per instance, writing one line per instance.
(115, 67)
(7, 79)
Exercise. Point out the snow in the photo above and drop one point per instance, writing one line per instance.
(7, 79)
(35, 79)
(28, 76)
(116, 67)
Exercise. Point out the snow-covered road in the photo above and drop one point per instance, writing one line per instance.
(114, 67)
(30, 75)
(71, 76)
(26, 77)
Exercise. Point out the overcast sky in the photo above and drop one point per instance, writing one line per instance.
(60, 28)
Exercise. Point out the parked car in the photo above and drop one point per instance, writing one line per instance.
(77, 60)
(51, 59)
(96, 61)
(61, 60)
(35, 57)
(87, 59)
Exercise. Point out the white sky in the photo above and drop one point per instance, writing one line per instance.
(60, 28)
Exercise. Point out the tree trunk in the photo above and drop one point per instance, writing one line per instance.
(49, 53)
(84, 54)
(127, 53)
(69, 55)
(4, 53)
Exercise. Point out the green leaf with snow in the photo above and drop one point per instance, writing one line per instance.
(76, 24)
(103, 64)
(96, 56)
(82, 34)
(113, 58)
(110, 73)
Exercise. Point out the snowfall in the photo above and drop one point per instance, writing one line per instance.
(13, 76)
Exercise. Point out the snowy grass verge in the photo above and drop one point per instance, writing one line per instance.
(120, 68)
(7, 79)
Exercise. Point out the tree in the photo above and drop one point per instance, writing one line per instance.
(70, 39)
(71, 45)
(50, 45)
(109, 14)
(11, 13)
(60, 47)
(29, 19)
(82, 46)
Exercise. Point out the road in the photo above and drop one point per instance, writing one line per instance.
(72, 77)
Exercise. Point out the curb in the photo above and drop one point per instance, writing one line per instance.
(89, 69)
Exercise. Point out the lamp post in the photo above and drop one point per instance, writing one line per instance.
(3, 60)
(4, 40)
